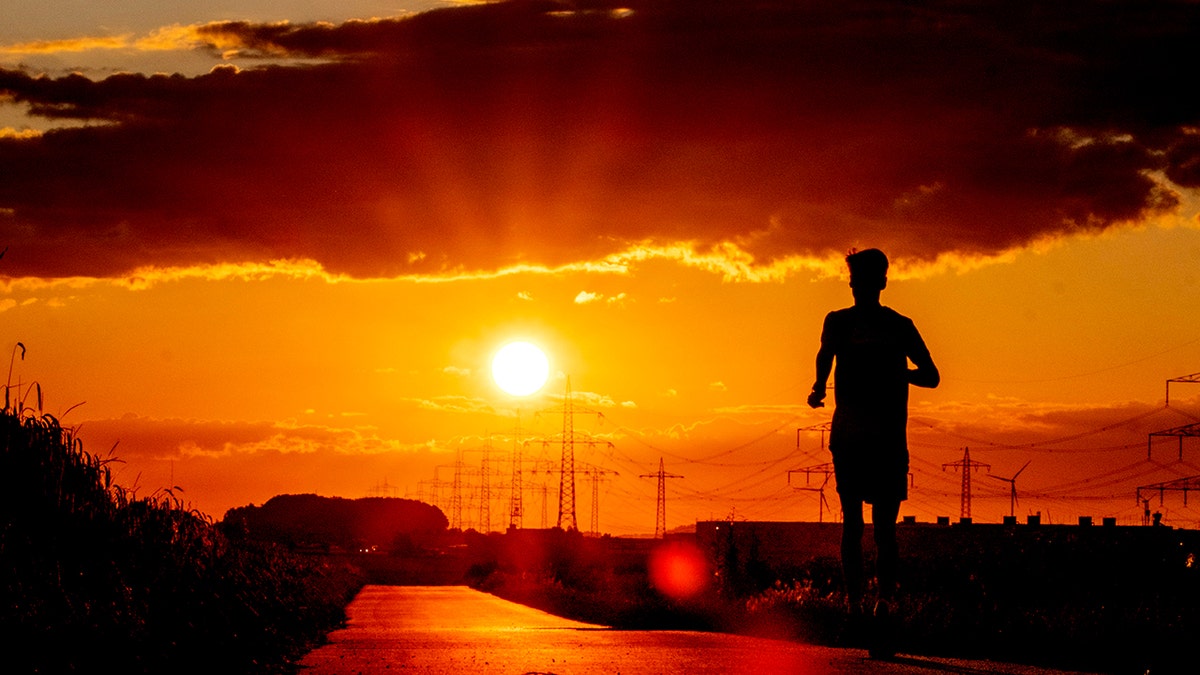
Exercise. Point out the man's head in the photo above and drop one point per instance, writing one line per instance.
(868, 270)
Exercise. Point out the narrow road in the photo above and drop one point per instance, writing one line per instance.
(456, 630)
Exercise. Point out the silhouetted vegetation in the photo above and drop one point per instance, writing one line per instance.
(1111, 600)
(401, 526)
(597, 580)
(94, 578)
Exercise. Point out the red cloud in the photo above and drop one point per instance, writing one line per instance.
(480, 137)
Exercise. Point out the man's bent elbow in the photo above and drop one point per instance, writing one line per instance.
(925, 377)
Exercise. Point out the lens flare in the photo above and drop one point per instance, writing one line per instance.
(678, 570)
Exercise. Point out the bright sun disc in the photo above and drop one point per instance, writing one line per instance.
(520, 368)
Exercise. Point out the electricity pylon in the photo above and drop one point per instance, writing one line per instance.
(1184, 485)
(515, 504)
(566, 473)
(1193, 378)
(485, 492)
(596, 474)
(660, 519)
(966, 464)
(1012, 502)
(825, 470)
(1185, 431)
(383, 489)
(456, 521)
(823, 427)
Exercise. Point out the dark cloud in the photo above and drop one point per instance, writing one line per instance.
(478, 137)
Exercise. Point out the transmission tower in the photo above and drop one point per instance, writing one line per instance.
(566, 473)
(1191, 483)
(438, 487)
(381, 489)
(660, 520)
(822, 427)
(596, 474)
(545, 509)
(515, 506)
(427, 491)
(1185, 431)
(966, 465)
(1193, 378)
(485, 492)
(824, 470)
(456, 493)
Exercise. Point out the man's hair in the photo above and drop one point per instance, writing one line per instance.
(870, 265)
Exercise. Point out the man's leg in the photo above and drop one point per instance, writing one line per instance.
(883, 520)
(852, 554)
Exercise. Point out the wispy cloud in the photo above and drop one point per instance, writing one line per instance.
(146, 438)
(81, 44)
(453, 404)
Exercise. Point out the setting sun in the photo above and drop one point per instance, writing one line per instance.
(520, 368)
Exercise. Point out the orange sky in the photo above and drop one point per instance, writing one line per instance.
(289, 274)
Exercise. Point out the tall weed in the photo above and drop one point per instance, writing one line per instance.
(93, 577)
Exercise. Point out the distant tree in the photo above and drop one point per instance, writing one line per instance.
(310, 520)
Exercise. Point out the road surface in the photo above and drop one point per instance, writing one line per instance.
(444, 630)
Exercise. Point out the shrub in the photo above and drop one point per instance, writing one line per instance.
(93, 577)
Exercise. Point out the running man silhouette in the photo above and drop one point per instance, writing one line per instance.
(872, 346)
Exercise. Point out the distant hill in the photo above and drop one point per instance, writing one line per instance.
(312, 521)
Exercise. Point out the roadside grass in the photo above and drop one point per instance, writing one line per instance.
(1097, 601)
(94, 578)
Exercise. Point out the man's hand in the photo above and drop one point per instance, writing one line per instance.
(817, 398)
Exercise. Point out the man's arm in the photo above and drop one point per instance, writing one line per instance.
(926, 373)
(824, 366)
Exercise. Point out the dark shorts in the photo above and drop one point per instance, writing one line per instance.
(871, 475)
(870, 454)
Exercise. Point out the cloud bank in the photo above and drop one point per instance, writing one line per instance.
(481, 138)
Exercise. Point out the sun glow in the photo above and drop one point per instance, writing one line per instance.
(520, 368)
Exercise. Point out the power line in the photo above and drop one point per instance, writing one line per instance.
(1092, 372)
(1037, 444)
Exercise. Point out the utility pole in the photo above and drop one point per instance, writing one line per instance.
(660, 520)
(966, 465)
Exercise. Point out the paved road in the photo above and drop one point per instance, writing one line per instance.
(447, 630)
